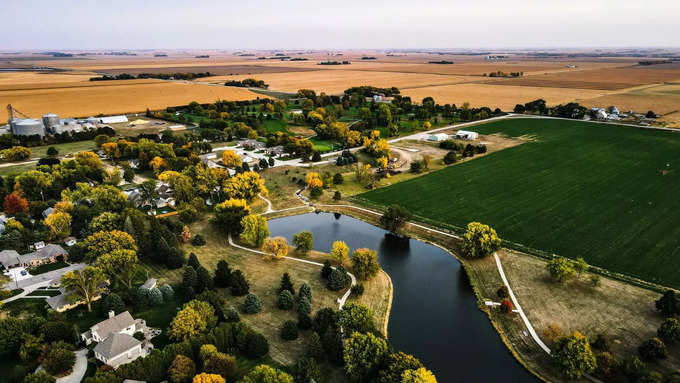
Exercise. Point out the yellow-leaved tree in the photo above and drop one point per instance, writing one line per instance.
(313, 180)
(231, 159)
(209, 378)
(340, 252)
(246, 185)
(59, 224)
(381, 162)
(276, 246)
(187, 323)
(104, 242)
(421, 375)
(121, 264)
(158, 164)
(255, 230)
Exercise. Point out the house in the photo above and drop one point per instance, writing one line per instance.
(438, 137)
(600, 114)
(252, 144)
(43, 254)
(70, 241)
(275, 151)
(9, 258)
(466, 135)
(150, 283)
(38, 245)
(46, 213)
(116, 344)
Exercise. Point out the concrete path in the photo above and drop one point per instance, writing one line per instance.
(341, 301)
(41, 280)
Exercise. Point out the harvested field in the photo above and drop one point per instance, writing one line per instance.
(216, 69)
(338, 81)
(577, 190)
(122, 97)
(637, 101)
(672, 120)
(13, 80)
(605, 79)
(494, 96)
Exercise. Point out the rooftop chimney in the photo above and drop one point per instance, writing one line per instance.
(111, 314)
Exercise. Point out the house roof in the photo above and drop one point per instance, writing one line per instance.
(150, 283)
(58, 301)
(9, 257)
(115, 345)
(113, 325)
(46, 213)
(50, 250)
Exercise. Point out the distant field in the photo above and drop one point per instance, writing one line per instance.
(639, 102)
(602, 192)
(15, 78)
(493, 96)
(216, 69)
(338, 80)
(122, 97)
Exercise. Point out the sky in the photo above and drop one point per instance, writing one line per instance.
(343, 24)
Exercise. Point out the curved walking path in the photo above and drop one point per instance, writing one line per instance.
(341, 300)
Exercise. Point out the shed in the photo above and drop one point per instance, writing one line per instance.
(466, 135)
(438, 137)
(114, 119)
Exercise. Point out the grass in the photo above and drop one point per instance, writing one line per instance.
(47, 267)
(65, 148)
(16, 169)
(578, 189)
(44, 293)
(25, 307)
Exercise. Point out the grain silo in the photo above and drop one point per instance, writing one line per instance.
(50, 120)
(28, 127)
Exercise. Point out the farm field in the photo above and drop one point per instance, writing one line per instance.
(637, 101)
(122, 97)
(339, 80)
(17, 78)
(577, 189)
(493, 96)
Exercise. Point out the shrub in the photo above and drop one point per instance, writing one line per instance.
(669, 331)
(560, 269)
(198, 240)
(38, 377)
(315, 192)
(506, 306)
(573, 355)
(337, 196)
(231, 315)
(601, 343)
(305, 292)
(206, 351)
(338, 179)
(155, 297)
(634, 368)
(326, 270)
(480, 240)
(188, 215)
(669, 303)
(365, 263)
(252, 304)
(306, 370)
(113, 302)
(221, 364)
(338, 279)
(222, 274)
(276, 247)
(502, 292)
(167, 291)
(52, 151)
(450, 158)
(285, 300)
(653, 349)
(358, 290)
(182, 369)
(315, 348)
(289, 330)
(607, 366)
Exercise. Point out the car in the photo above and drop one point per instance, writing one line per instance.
(24, 273)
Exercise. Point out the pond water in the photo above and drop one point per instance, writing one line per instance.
(434, 311)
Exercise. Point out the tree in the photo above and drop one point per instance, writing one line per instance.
(105, 221)
(14, 203)
(39, 377)
(304, 306)
(506, 306)
(252, 304)
(340, 252)
(305, 292)
(286, 284)
(231, 159)
(306, 370)
(120, 264)
(52, 151)
(573, 355)
(396, 364)
(304, 242)
(285, 300)
(669, 331)
(204, 280)
(326, 270)
(480, 240)
(254, 230)
(652, 349)
(59, 224)
(104, 242)
(33, 183)
(239, 285)
(276, 246)
(128, 174)
(246, 185)
(338, 179)
(421, 375)
(289, 330)
(394, 218)
(256, 345)
(221, 364)
(186, 324)
(182, 369)
(365, 263)
(208, 378)
(31, 348)
(205, 310)
(502, 292)
(355, 317)
(222, 274)
(561, 269)
(580, 266)
(86, 284)
(228, 215)
(266, 374)
(58, 358)
(113, 302)
(669, 303)
(206, 350)
(338, 279)
(363, 356)
(450, 158)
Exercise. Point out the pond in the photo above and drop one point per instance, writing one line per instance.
(434, 311)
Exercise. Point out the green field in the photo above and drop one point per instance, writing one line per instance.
(606, 193)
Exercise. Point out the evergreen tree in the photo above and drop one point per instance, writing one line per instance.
(286, 284)
(193, 261)
(204, 281)
(222, 274)
(239, 285)
(326, 270)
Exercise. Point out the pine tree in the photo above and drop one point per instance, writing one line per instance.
(193, 261)
(286, 284)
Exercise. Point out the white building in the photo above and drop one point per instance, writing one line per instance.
(116, 344)
(438, 137)
(114, 119)
(466, 135)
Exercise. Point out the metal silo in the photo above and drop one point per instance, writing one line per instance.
(28, 127)
(50, 120)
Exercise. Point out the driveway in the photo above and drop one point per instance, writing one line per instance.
(44, 277)
(79, 368)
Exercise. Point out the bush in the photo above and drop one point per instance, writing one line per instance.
(307, 370)
(155, 297)
(506, 306)
(198, 240)
(188, 215)
(337, 196)
(417, 167)
(303, 241)
(601, 343)
(221, 364)
(326, 270)
(222, 274)
(450, 158)
(358, 290)
(607, 366)
(669, 303)
(285, 300)
(502, 292)
(338, 280)
(252, 304)
(315, 348)
(653, 349)
(52, 151)
(634, 368)
(58, 359)
(289, 330)
(286, 284)
(338, 179)
(573, 355)
(669, 331)
(38, 377)
(365, 263)
(113, 302)
(315, 192)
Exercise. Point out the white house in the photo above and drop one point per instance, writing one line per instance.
(601, 114)
(438, 137)
(116, 344)
(466, 135)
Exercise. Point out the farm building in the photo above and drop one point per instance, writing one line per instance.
(466, 135)
(113, 119)
(438, 137)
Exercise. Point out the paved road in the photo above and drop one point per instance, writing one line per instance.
(40, 280)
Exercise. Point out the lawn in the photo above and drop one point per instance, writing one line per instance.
(47, 267)
(65, 148)
(601, 192)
